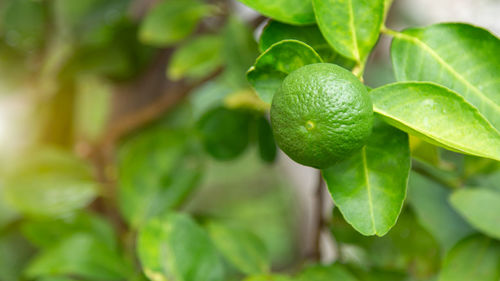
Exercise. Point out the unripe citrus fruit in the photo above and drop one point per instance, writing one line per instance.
(321, 114)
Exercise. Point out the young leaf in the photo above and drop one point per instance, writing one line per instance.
(197, 59)
(80, 255)
(430, 202)
(224, 132)
(480, 207)
(437, 115)
(240, 247)
(459, 56)
(369, 187)
(325, 273)
(158, 169)
(474, 258)
(351, 27)
(50, 183)
(174, 247)
(297, 12)
(171, 21)
(267, 145)
(276, 31)
(272, 66)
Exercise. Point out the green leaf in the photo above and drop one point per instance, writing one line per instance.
(239, 52)
(325, 273)
(171, 21)
(174, 247)
(49, 183)
(369, 187)
(267, 145)
(430, 202)
(158, 169)
(424, 151)
(351, 27)
(48, 233)
(296, 12)
(480, 207)
(474, 258)
(276, 31)
(15, 253)
(225, 132)
(240, 247)
(81, 255)
(437, 115)
(22, 24)
(459, 56)
(272, 66)
(196, 59)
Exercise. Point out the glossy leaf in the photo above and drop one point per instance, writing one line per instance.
(351, 27)
(437, 115)
(158, 169)
(49, 183)
(240, 247)
(474, 258)
(325, 273)
(480, 207)
(272, 66)
(459, 56)
(369, 187)
(80, 255)
(276, 31)
(297, 12)
(196, 59)
(169, 22)
(430, 202)
(225, 132)
(267, 145)
(174, 247)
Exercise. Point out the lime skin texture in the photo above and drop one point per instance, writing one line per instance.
(321, 114)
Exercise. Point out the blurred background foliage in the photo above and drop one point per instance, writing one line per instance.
(125, 121)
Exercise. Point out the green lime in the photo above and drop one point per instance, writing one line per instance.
(321, 114)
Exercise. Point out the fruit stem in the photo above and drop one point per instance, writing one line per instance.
(358, 71)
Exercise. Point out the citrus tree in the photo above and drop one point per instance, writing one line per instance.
(148, 144)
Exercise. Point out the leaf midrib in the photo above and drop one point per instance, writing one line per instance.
(448, 67)
(357, 55)
(368, 189)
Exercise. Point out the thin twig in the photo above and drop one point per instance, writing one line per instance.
(320, 222)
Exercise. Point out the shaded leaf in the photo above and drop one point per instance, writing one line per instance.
(269, 277)
(174, 247)
(298, 12)
(369, 187)
(158, 169)
(15, 253)
(480, 207)
(272, 66)
(225, 132)
(196, 59)
(474, 258)
(459, 56)
(171, 21)
(430, 202)
(276, 31)
(240, 247)
(267, 145)
(351, 27)
(424, 151)
(437, 115)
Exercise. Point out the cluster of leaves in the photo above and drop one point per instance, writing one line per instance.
(196, 198)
